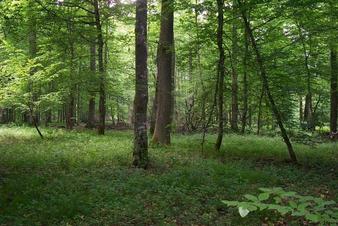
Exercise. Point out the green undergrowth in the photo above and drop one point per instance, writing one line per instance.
(80, 178)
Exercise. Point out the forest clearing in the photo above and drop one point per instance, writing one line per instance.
(80, 178)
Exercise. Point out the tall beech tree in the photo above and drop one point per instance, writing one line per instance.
(140, 153)
(234, 59)
(245, 83)
(333, 9)
(92, 68)
(220, 72)
(91, 102)
(334, 90)
(102, 90)
(165, 75)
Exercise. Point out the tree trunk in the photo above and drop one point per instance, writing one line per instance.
(221, 73)
(140, 153)
(264, 78)
(165, 75)
(234, 84)
(334, 92)
(301, 118)
(71, 98)
(102, 91)
(33, 49)
(70, 112)
(91, 104)
(245, 82)
(155, 100)
(308, 110)
(259, 117)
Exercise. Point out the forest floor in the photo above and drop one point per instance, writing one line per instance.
(79, 178)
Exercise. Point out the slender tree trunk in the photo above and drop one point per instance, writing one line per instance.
(78, 104)
(140, 153)
(308, 110)
(234, 85)
(199, 68)
(71, 98)
(70, 112)
(35, 123)
(91, 104)
(165, 75)
(221, 73)
(264, 78)
(33, 49)
(301, 118)
(102, 90)
(259, 117)
(245, 82)
(334, 91)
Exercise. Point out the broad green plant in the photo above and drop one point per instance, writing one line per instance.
(289, 204)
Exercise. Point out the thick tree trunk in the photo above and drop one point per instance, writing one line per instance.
(140, 153)
(102, 90)
(334, 91)
(91, 104)
(165, 75)
(221, 73)
(234, 84)
(264, 78)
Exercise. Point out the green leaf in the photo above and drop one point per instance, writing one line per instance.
(263, 196)
(277, 199)
(231, 203)
(312, 217)
(251, 197)
(293, 204)
(243, 211)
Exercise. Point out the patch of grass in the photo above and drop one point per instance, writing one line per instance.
(79, 178)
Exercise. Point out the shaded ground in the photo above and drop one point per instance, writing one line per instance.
(79, 178)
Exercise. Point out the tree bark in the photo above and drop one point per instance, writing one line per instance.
(334, 92)
(245, 82)
(140, 153)
(33, 49)
(102, 90)
(71, 98)
(91, 104)
(259, 117)
(165, 75)
(234, 84)
(264, 78)
(301, 118)
(221, 73)
(308, 110)
(155, 100)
